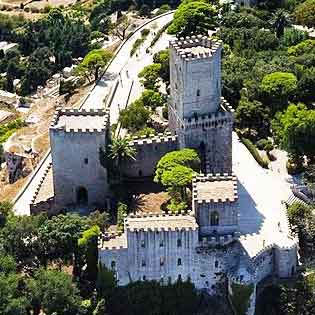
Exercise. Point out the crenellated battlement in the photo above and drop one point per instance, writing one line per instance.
(196, 47)
(214, 188)
(75, 120)
(154, 139)
(212, 120)
(158, 222)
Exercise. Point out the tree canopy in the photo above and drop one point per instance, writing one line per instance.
(305, 13)
(193, 17)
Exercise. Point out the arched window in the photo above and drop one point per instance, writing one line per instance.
(198, 92)
(214, 218)
(113, 264)
(216, 264)
(179, 262)
(179, 243)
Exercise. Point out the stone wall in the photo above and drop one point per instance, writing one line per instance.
(76, 163)
(148, 153)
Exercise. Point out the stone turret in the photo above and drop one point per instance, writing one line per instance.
(197, 113)
(76, 137)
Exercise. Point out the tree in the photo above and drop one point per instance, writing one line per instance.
(175, 171)
(6, 209)
(252, 115)
(163, 58)
(193, 17)
(120, 28)
(294, 130)
(88, 242)
(122, 211)
(280, 19)
(106, 282)
(101, 219)
(150, 75)
(55, 292)
(306, 86)
(120, 151)
(135, 116)
(305, 13)
(93, 62)
(59, 237)
(279, 87)
(152, 99)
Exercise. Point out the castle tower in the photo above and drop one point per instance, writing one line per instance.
(76, 137)
(197, 113)
(215, 204)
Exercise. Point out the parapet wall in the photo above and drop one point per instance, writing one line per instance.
(212, 120)
(214, 178)
(82, 113)
(149, 151)
(180, 45)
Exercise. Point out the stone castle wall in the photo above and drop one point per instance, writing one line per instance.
(148, 153)
(76, 162)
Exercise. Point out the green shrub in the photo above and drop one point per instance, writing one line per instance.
(294, 168)
(159, 33)
(165, 112)
(265, 144)
(7, 130)
(144, 33)
(253, 150)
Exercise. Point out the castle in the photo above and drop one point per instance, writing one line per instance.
(210, 242)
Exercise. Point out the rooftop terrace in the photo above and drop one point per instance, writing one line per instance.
(215, 188)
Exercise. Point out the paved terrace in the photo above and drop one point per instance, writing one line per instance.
(262, 215)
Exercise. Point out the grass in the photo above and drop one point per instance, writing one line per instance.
(7, 130)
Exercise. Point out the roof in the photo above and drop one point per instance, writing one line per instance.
(80, 120)
(215, 188)
(161, 222)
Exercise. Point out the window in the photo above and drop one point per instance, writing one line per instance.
(216, 264)
(179, 262)
(162, 261)
(143, 278)
(86, 161)
(179, 277)
(179, 243)
(143, 263)
(143, 243)
(198, 92)
(140, 173)
(214, 218)
(161, 243)
(113, 264)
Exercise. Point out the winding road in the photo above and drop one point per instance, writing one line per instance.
(123, 69)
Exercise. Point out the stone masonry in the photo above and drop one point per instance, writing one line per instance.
(76, 137)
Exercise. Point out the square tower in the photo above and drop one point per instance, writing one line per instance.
(215, 204)
(197, 113)
(76, 137)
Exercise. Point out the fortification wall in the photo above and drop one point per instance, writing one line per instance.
(76, 160)
(148, 152)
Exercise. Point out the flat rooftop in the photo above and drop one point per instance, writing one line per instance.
(161, 222)
(84, 120)
(215, 188)
(197, 50)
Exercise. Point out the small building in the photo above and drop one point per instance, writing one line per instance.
(6, 47)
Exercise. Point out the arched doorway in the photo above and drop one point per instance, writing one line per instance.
(82, 195)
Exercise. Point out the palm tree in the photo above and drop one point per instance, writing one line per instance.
(280, 19)
(121, 150)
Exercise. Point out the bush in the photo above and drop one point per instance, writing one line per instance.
(253, 150)
(159, 33)
(265, 144)
(144, 33)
